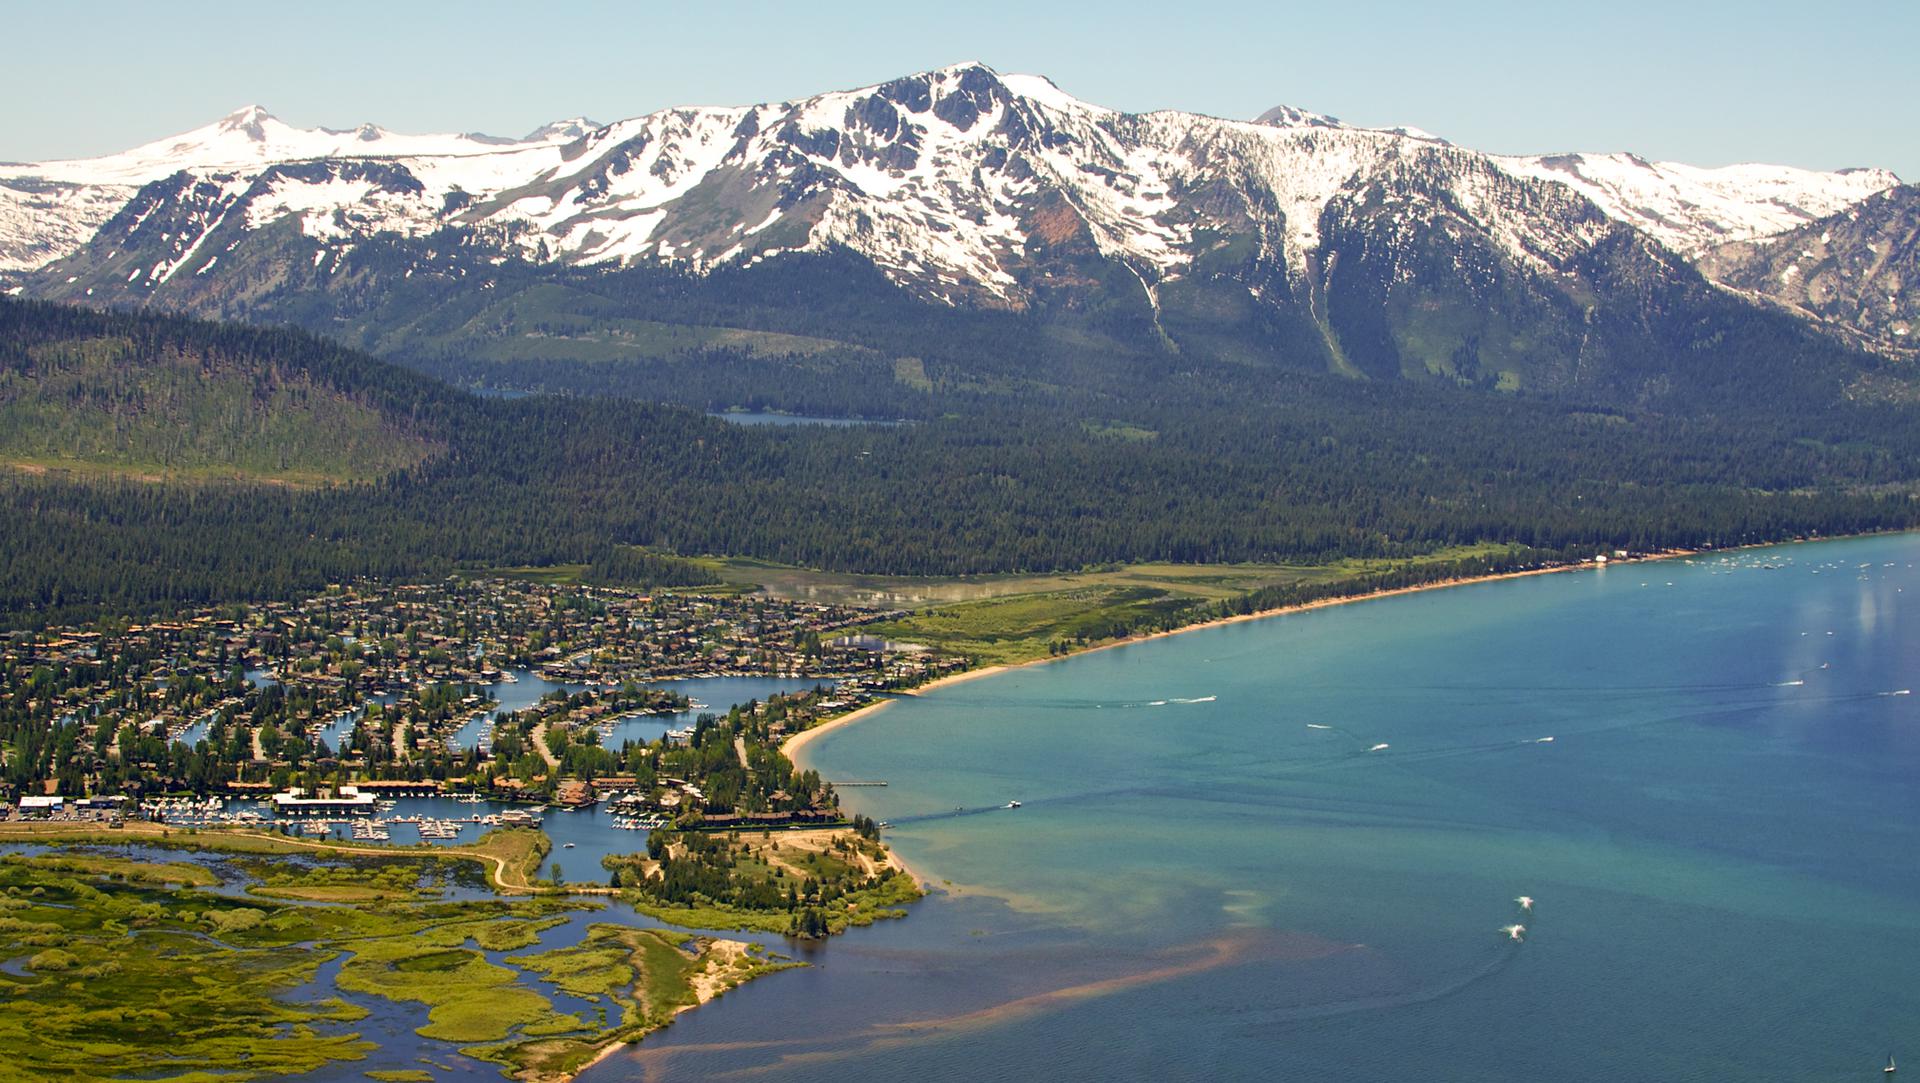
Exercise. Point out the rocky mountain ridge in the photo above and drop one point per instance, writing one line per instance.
(1360, 250)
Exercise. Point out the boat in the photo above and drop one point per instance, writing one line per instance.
(1013, 804)
(1890, 1068)
(567, 846)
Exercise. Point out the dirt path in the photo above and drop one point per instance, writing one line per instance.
(539, 736)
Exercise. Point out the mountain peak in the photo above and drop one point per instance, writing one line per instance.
(570, 128)
(1286, 116)
(248, 120)
(963, 68)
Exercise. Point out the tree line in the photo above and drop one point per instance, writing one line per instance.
(1210, 465)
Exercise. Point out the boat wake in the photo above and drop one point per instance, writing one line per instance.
(1498, 959)
(955, 814)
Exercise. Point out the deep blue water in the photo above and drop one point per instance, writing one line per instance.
(1218, 873)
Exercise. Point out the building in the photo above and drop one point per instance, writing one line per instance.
(38, 805)
(348, 799)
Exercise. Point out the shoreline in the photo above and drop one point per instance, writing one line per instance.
(794, 745)
(798, 742)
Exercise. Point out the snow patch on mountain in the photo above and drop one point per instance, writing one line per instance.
(252, 138)
(958, 183)
(1689, 208)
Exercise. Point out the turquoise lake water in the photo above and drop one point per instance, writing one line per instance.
(1287, 849)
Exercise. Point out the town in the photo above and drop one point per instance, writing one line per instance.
(369, 691)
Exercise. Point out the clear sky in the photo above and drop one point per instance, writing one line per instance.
(1821, 84)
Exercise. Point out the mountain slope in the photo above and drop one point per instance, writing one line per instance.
(1297, 241)
(1857, 271)
(101, 394)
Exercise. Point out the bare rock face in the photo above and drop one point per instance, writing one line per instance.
(1857, 272)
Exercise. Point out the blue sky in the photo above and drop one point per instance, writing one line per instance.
(1822, 85)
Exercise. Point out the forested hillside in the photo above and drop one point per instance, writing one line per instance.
(1223, 464)
(102, 394)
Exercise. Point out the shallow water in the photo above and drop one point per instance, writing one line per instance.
(1287, 848)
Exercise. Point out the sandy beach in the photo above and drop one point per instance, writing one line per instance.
(794, 745)
(791, 746)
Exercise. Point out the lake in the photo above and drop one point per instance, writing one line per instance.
(1292, 848)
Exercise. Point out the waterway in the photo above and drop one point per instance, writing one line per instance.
(1293, 848)
(714, 695)
(391, 1024)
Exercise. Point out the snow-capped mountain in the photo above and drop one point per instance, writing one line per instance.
(1857, 270)
(962, 186)
(50, 209)
(1690, 209)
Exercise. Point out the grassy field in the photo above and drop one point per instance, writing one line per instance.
(1017, 618)
(648, 975)
(1007, 619)
(510, 856)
